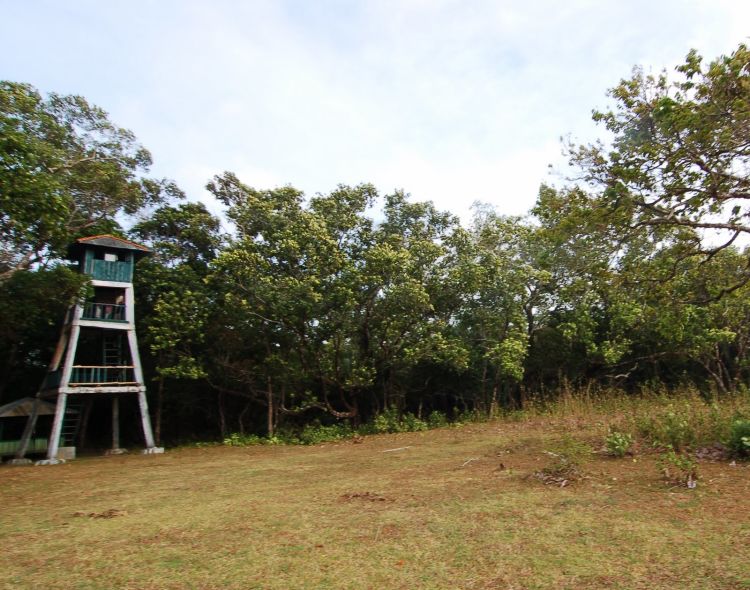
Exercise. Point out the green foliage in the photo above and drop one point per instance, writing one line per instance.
(672, 428)
(437, 420)
(313, 434)
(413, 424)
(184, 235)
(178, 325)
(244, 440)
(618, 444)
(679, 468)
(739, 438)
(691, 423)
(678, 158)
(32, 305)
(67, 170)
(390, 420)
(315, 305)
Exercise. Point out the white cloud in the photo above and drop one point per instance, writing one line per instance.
(450, 100)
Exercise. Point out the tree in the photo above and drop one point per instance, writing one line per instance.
(680, 155)
(32, 306)
(175, 303)
(65, 170)
(332, 310)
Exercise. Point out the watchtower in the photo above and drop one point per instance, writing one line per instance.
(97, 353)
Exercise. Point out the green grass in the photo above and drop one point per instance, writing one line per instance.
(458, 508)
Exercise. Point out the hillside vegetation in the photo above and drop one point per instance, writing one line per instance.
(336, 309)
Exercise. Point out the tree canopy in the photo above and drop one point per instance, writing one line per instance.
(312, 310)
(65, 171)
(679, 156)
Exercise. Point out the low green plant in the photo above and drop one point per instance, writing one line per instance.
(410, 423)
(618, 444)
(568, 456)
(389, 420)
(243, 440)
(467, 416)
(314, 434)
(739, 438)
(437, 419)
(674, 428)
(679, 468)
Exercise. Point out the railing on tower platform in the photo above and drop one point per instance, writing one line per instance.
(104, 311)
(102, 375)
(105, 270)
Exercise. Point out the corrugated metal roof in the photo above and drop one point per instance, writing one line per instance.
(24, 406)
(111, 241)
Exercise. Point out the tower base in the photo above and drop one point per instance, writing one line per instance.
(117, 451)
(19, 462)
(50, 462)
(153, 451)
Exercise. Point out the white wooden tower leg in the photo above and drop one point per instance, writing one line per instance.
(54, 439)
(148, 434)
(62, 397)
(54, 365)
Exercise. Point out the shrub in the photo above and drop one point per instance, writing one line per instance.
(387, 421)
(679, 469)
(437, 419)
(466, 416)
(390, 421)
(739, 438)
(243, 440)
(618, 444)
(568, 455)
(410, 423)
(314, 434)
(674, 428)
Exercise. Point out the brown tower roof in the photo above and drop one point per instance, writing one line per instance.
(108, 241)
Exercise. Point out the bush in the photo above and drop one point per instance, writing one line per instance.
(673, 428)
(739, 438)
(568, 455)
(618, 444)
(467, 416)
(387, 421)
(410, 423)
(679, 469)
(314, 434)
(437, 419)
(243, 440)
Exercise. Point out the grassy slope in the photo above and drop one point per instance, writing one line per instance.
(351, 516)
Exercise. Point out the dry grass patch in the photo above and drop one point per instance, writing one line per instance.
(454, 508)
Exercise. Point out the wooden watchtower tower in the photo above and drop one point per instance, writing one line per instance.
(97, 354)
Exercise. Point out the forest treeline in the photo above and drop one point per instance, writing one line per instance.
(345, 305)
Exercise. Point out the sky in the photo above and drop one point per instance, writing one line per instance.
(453, 101)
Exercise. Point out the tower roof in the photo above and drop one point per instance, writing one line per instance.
(108, 241)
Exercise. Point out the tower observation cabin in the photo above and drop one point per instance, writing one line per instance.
(97, 353)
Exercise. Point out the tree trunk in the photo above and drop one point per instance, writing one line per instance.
(159, 408)
(222, 415)
(269, 397)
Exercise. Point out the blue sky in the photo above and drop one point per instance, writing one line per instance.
(453, 101)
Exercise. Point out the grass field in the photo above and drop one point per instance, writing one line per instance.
(455, 508)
